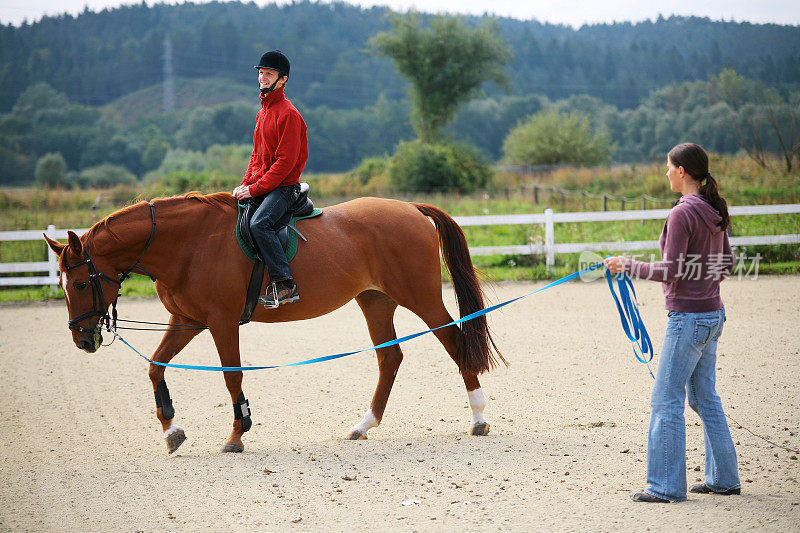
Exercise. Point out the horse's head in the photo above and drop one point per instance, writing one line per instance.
(90, 286)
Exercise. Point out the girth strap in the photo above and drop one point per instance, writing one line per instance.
(253, 291)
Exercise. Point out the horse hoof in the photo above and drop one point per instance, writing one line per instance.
(231, 448)
(357, 435)
(174, 440)
(481, 428)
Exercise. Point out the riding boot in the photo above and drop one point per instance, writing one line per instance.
(280, 293)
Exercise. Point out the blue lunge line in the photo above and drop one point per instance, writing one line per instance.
(628, 304)
(631, 320)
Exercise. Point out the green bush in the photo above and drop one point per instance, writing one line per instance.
(550, 137)
(105, 176)
(369, 168)
(51, 171)
(420, 166)
(229, 159)
(154, 154)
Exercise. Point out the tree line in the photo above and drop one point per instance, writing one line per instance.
(727, 113)
(97, 57)
(446, 62)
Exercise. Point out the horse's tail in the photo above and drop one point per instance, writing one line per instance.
(477, 351)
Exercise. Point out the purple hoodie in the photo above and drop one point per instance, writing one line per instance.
(696, 256)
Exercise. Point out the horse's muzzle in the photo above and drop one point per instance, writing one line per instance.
(90, 341)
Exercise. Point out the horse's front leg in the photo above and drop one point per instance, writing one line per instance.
(173, 341)
(226, 338)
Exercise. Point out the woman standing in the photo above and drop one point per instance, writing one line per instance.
(696, 256)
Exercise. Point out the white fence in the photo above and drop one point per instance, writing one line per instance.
(549, 219)
(548, 249)
(50, 266)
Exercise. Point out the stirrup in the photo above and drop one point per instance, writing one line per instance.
(269, 299)
(273, 300)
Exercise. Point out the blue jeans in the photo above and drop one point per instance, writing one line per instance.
(687, 366)
(273, 210)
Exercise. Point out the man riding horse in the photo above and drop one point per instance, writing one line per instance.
(272, 180)
(382, 253)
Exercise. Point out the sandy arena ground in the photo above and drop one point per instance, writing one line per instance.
(81, 449)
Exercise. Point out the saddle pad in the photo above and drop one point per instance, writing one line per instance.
(291, 244)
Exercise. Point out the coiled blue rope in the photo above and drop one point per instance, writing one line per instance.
(631, 320)
(628, 304)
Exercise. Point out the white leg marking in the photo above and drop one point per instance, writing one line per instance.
(477, 401)
(172, 429)
(368, 422)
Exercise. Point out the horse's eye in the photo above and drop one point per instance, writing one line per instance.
(80, 285)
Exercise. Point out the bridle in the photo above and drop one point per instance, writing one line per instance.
(99, 305)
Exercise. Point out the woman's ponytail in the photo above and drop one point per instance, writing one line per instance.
(710, 191)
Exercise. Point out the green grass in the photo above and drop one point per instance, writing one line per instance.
(137, 285)
(744, 183)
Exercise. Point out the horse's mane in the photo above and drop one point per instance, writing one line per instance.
(221, 200)
(218, 199)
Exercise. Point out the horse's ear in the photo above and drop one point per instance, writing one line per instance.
(75, 243)
(54, 245)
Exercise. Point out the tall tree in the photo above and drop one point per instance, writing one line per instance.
(445, 63)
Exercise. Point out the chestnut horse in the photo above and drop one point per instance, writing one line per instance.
(383, 253)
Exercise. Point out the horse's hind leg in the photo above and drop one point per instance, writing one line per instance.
(174, 340)
(435, 314)
(379, 309)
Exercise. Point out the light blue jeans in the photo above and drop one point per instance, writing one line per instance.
(687, 366)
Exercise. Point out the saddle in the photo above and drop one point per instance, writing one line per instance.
(302, 208)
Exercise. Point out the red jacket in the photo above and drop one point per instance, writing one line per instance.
(280, 146)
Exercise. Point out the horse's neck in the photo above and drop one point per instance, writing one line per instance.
(120, 236)
(123, 237)
(180, 223)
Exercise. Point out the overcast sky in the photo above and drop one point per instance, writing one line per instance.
(570, 12)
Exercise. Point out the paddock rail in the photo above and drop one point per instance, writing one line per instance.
(549, 248)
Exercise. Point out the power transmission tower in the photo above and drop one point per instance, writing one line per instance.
(169, 77)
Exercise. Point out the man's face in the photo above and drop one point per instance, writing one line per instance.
(267, 76)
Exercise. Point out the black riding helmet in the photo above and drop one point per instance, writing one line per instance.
(274, 60)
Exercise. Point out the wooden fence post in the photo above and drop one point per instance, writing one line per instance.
(52, 259)
(642, 208)
(549, 238)
(605, 202)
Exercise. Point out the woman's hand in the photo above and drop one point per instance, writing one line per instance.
(616, 264)
(241, 192)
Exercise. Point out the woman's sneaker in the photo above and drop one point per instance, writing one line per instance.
(647, 498)
(702, 488)
(280, 293)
